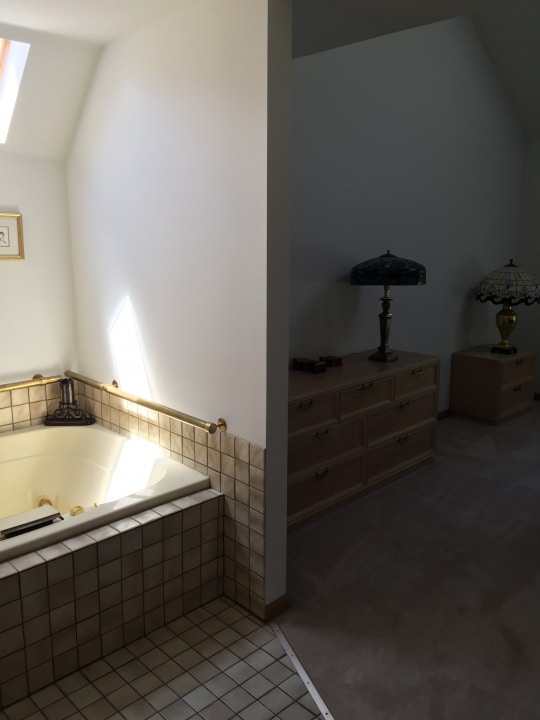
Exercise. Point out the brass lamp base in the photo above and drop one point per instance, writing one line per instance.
(383, 353)
(506, 320)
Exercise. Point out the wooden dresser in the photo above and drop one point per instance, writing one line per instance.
(491, 386)
(356, 425)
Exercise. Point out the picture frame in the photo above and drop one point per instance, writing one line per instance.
(11, 236)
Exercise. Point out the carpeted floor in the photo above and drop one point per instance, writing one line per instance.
(421, 600)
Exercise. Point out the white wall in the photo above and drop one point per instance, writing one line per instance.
(277, 364)
(527, 332)
(407, 143)
(36, 313)
(167, 181)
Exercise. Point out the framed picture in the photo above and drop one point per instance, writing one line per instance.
(11, 236)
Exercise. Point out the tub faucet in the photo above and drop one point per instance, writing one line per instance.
(68, 412)
(67, 396)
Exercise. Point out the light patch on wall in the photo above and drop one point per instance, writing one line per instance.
(13, 55)
(127, 353)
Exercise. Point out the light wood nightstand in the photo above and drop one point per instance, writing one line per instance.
(491, 386)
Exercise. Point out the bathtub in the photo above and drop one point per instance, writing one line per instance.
(90, 475)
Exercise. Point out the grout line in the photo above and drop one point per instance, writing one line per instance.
(325, 712)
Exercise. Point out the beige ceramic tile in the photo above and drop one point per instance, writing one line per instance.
(256, 500)
(256, 585)
(241, 492)
(256, 478)
(241, 470)
(214, 440)
(37, 394)
(20, 396)
(176, 443)
(38, 410)
(143, 429)
(257, 456)
(164, 421)
(214, 459)
(165, 438)
(153, 433)
(241, 449)
(227, 444)
(21, 413)
(188, 431)
(201, 454)
(201, 436)
(256, 542)
(52, 391)
(5, 399)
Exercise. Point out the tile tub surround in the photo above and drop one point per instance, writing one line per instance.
(27, 406)
(69, 604)
(236, 467)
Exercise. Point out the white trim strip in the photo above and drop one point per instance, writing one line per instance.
(325, 712)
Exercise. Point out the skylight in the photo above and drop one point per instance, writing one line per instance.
(13, 56)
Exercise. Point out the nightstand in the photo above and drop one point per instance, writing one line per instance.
(491, 386)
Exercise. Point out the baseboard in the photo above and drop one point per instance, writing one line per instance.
(276, 607)
(443, 414)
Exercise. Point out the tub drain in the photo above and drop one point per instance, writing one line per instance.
(44, 500)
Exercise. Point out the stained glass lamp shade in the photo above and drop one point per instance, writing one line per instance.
(508, 286)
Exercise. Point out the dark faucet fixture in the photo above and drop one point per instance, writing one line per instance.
(68, 412)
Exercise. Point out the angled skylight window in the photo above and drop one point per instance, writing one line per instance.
(13, 56)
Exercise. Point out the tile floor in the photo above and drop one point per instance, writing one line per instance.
(217, 662)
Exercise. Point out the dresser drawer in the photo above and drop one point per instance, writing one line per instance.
(366, 396)
(518, 369)
(313, 412)
(407, 414)
(400, 453)
(516, 396)
(318, 447)
(324, 486)
(420, 379)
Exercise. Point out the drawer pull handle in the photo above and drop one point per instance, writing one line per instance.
(517, 388)
(403, 438)
(404, 404)
(321, 474)
(320, 433)
(305, 404)
(367, 386)
(417, 371)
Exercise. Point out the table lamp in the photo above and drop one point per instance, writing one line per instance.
(508, 286)
(387, 270)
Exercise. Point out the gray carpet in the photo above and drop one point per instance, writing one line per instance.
(421, 600)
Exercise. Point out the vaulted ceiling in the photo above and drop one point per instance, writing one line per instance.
(509, 29)
(96, 21)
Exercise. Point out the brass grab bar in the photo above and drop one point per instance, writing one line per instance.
(113, 389)
(34, 382)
